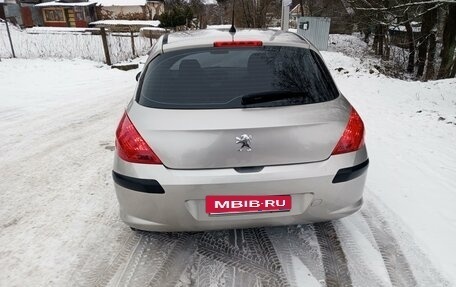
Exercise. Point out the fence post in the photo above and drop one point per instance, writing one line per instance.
(9, 37)
(132, 42)
(105, 45)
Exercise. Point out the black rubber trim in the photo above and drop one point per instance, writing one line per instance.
(138, 184)
(249, 169)
(349, 173)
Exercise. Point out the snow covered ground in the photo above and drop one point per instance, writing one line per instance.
(58, 215)
(57, 119)
(411, 128)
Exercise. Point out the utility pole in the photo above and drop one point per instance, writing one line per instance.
(9, 37)
(285, 14)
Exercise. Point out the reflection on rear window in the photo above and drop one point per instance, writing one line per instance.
(218, 78)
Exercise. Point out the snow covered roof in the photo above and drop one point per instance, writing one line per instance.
(153, 29)
(64, 4)
(121, 2)
(403, 29)
(150, 23)
(218, 27)
(7, 2)
(58, 30)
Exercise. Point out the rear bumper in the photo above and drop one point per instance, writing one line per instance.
(182, 205)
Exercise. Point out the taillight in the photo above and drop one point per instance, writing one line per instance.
(131, 146)
(220, 44)
(353, 137)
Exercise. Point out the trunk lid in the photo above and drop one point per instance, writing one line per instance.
(201, 139)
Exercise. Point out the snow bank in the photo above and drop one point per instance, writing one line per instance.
(411, 127)
(69, 45)
(121, 2)
(62, 114)
(216, 27)
(152, 23)
(354, 46)
(58, 30)
(63, 4)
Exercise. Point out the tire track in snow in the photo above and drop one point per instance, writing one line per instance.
(175, 264)
(298, 245)
(262, 263)
(263, 247)
(101, 276)
(333, 256)
(210, 272)
(281, 245)
(137, 260)
(365, 263)
(248, 256)
(396, 264)
(134, 260)
(152, 251)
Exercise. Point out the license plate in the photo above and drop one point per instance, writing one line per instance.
(229, 204)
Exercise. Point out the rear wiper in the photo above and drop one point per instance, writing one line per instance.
(269, 96)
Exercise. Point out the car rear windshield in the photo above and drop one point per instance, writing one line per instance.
(221, 78)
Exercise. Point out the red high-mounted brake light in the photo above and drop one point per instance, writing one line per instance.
(131, 146)
(221, 44)
(353, 137)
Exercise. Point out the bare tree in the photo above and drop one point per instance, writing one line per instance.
(411, 45)
(430, 68)
(427, 25)
(448, 45)
(252, 13)
(381, 14)
(199, 12)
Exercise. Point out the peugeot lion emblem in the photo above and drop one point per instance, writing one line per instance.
(245, 140)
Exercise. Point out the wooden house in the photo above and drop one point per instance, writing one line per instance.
(67, 14)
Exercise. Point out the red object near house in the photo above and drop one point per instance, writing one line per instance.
(55, 24)
(27, 19)
(81, 24)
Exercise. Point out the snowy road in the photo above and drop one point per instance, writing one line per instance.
(358, 252)
(59, 222)
(308, 255)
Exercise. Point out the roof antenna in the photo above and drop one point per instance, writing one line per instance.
(232, 29)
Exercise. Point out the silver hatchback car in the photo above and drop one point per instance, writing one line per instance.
(236, 130)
